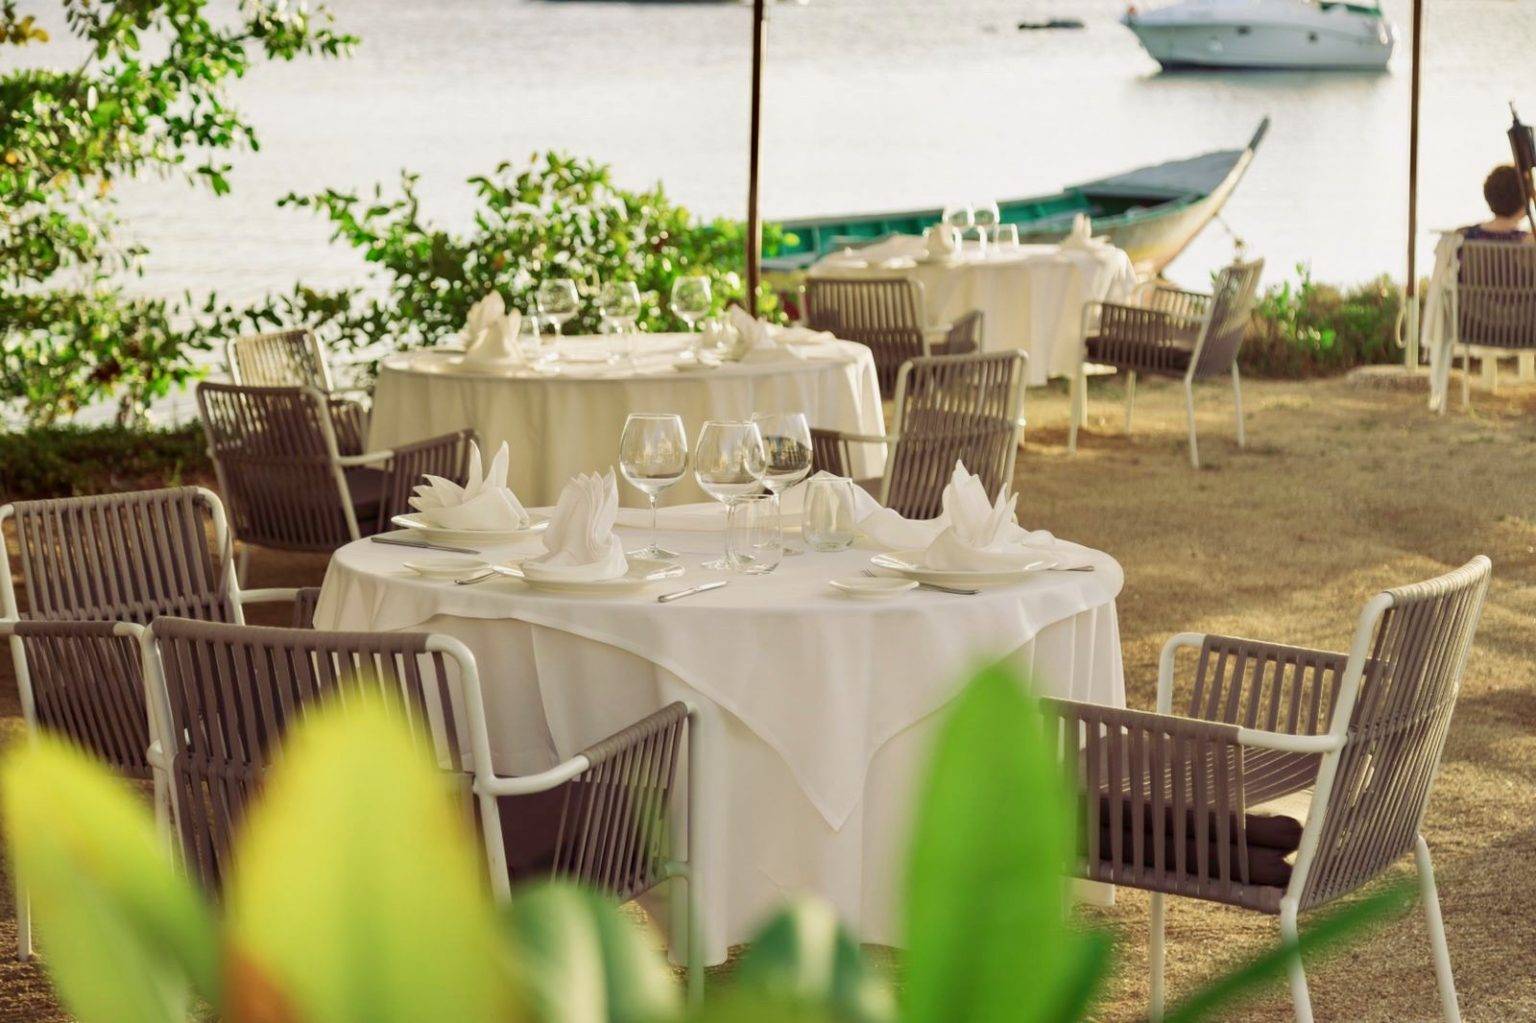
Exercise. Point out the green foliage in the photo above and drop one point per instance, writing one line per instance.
(560, 216)
(1310, 329)
(148, 97)
(60, 461)
(358, 897)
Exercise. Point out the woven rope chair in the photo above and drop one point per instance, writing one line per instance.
(279, 461)
(226, 695)
(949, 408)
(94, 570)
(886, 315)
(1495, 303)
(1280, 753)
(1173, 333)
(295, 358)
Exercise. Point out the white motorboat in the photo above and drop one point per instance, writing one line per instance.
(1264, 34)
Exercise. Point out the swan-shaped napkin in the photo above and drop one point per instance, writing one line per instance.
(982, 534)
(580, 540)
(1081, 236)
(752, 331)
(490, 333)
(483, 502)
(941, 242)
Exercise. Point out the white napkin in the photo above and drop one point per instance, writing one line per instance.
(580, 539)
(981, 534)
(941, 241)
(490, 334)
(484, 502)
(754, 332)
(1081, 236)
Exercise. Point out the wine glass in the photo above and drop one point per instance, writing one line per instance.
(787, 447)
(558, 302)
(987, 216)
(728, 462)
(960, 217)
(692, 299)
(1007, 237)
(653, 455)
(618, 303)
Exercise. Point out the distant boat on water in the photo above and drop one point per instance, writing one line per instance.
(1152, 212)
(1264, 34)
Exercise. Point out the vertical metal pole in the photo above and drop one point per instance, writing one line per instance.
(754, 145)
(1411, 292)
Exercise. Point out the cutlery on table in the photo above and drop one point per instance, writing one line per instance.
(494, 570)
(929, 586)
(701, 588)
(422, 544)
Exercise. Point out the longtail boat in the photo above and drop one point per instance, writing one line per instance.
(1153, 212)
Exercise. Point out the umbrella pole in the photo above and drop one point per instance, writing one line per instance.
(754, 145)
(1411, 292)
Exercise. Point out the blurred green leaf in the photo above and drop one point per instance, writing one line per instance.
(357, 895)
(583, 962)
(804, 956)
(123, 933)
(986, 935)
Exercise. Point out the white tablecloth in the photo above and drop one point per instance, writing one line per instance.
(566, 417)
(1031, 298)
(816, 708)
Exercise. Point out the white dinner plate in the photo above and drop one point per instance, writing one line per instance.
(877, 587)
(470, 537)
(446, 567)
(909, 565)
(641, 574)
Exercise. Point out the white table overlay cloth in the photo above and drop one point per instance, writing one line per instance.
(816, 709)
(1031, 297)
(564, 417)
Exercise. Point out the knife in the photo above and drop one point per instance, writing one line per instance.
(680, 594)
(393, 542)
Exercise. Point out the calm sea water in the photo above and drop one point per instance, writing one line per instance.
(870, 104)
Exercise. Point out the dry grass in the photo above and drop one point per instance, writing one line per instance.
(1343, 490)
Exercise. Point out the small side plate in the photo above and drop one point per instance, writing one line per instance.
(470, 537)
(873, 587)
(445, 567)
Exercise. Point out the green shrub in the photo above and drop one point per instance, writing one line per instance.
(1308, 329)
(60, 461)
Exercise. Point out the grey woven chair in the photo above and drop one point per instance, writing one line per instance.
(226, 695)
(1174, 333)
(94, 570)
(1290, 777)
(949, 408)
(289, 483)
(1495, 303)
(280, 358)
(886, 315)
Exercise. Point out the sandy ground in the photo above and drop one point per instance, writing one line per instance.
(1344, 489)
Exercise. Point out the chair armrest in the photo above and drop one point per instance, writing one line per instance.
(268, 595)
(1263, 687)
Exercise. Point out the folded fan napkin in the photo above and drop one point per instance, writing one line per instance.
(580, 541)
(1081, 236)
(483, 502)
(982, 534)
(754, 332)
(490, 333)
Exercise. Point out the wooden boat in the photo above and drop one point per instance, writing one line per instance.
(1153, 212)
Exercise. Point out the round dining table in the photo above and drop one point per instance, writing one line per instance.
(815, 710)
(562, 413)
(1031, 296)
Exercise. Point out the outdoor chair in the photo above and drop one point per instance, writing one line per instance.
(949, 408)
(94, 571)
(289, 483)
(1495, 304)
(611, 832)
(1289, 778)
(886, 315)
(1173, 333)
(295, 358)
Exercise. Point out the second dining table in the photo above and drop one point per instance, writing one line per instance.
(563, 413)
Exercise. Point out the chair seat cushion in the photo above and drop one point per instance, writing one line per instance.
(366, 485)
(1172, 357)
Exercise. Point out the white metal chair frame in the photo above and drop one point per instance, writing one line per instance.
(237, 597)
(488, 786)
(1330, 745)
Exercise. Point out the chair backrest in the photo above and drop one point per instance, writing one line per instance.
(1393, 715)
(124, 557)
(885, 314)
(1496, 294)
(281, 358)
(949, 408)
(275, 451)
(227, 695)
(1232, 300)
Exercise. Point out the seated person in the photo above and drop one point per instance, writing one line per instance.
(1505, 193)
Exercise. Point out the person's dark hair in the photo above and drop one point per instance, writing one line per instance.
(1504, 191)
